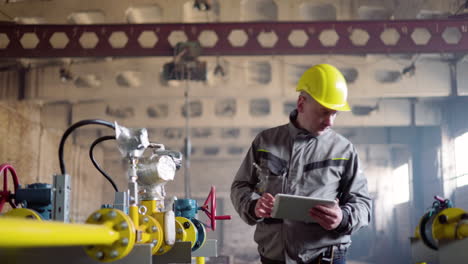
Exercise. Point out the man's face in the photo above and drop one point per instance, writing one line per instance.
(314, 117)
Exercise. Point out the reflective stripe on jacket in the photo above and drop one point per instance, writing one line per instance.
(292, 161)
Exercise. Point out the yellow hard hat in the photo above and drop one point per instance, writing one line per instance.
(326, 85)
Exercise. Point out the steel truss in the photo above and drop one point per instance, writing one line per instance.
(259, 38)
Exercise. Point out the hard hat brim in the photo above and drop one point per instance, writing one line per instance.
(342, 108)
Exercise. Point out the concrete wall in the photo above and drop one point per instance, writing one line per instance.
(32, 150)
(163, 10)
(9, 81)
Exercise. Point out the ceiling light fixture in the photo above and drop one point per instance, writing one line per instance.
(364, 110)
(65, 75)
(185, 65)
(409, 70)
(202, 5)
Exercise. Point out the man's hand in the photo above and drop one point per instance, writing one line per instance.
(328, 217)
(264, 206)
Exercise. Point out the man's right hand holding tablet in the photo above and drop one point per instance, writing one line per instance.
(264, 206)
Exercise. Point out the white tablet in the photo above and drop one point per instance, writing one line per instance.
(294, 207)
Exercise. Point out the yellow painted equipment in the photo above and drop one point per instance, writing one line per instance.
(149, 230)
(23, 213)
(440, 236)
(153, 211)
(133, 213)
(450, 225)
(180, 234)
(442, 223)
(200, 260)
(188, 228)
(123, 233)
(110, 234)
(30, 233)
(151, 206)
(152, 232)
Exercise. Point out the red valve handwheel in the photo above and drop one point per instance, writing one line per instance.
(5, 195)
(211, 212)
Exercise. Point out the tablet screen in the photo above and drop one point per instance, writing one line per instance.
(294, 207)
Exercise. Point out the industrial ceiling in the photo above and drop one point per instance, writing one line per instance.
(105, 59)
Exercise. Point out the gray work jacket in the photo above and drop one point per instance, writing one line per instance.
(292, 161)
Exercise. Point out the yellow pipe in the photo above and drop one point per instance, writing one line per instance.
(200, 260)
(16, 232)
(134, 214)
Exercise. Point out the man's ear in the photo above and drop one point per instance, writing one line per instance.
(300, 103)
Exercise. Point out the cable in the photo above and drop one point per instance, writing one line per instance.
(462, 7)
(73, 127)
(6, 15)
(91, 156)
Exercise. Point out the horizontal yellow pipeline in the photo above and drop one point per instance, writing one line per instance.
(16, 232)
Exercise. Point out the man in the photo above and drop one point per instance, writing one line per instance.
(305, 157)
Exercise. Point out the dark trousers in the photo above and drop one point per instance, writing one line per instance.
(339, 257)
(270, 261)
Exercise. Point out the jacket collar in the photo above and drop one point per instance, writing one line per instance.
(295, 131)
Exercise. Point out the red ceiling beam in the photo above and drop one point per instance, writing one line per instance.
(400, 36)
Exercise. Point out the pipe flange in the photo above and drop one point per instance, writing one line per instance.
(190, 229)
(154, 230)
(180, 235)
(24, 213)
(201, 238)
(447, 228)
(120, 223)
